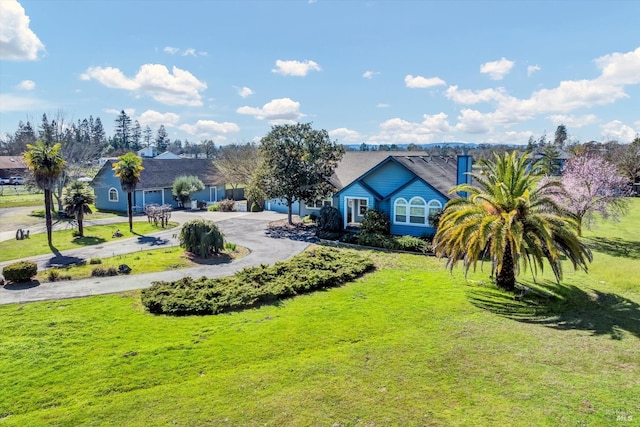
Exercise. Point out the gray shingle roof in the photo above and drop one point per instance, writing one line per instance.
(440, 172)
(160, 173)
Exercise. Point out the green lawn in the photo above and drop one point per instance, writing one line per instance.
(12, 199)
(408, 345)
(63, 239)
(149, 261)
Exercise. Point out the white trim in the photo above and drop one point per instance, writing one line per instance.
(315, 208)
(117, 199)
(356, 209)
(408, 205)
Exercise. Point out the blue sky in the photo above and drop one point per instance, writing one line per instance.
(366, 71)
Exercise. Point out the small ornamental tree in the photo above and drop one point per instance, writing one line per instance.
(201, 238)
(184, 186)
(77, 198)
(593, 185)
(375, 222)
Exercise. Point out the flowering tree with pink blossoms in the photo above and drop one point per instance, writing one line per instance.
(593, 185)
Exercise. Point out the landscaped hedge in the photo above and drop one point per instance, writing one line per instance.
(21, 271)
(315, 269)
(394, 243)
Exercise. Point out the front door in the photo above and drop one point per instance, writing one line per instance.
(355, 209)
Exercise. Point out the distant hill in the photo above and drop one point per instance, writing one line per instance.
(374, 147)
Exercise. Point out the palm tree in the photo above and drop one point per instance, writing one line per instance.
(128, 169)
(510, 217)
(77, 199)
(47, 164)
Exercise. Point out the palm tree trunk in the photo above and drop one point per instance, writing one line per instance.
(506, 278)
(47, 214)
(80, 227)
(130, 211)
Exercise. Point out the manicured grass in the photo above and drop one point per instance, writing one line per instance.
(11, 199)
(408, 345)
(97, 214)
(149, 261)
(63, 240)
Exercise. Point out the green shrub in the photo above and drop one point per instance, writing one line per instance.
(312, 270)
(330, 219)
(54, 275)
(375, 221)
(201, 237)
(227, 205)
(329, 235)
(412, 244)
(103, 272)
(256, 207)
(184, 186)
(213, 208)
(376, 240)
(230, 246)
(95, 260)
(22, 271)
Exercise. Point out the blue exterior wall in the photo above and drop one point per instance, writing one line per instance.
(280, 205)
(101, 186)
(416, 188)
(388, 178)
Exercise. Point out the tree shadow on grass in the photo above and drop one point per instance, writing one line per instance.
(88, 240)
(564, 307)
(615, 247)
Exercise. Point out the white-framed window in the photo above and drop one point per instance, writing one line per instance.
(434, 207)
(363, 205)
(414, 212)
(320, 203)
(113, 195)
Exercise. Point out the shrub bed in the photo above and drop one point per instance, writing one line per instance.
(312, 270)
(394, 243)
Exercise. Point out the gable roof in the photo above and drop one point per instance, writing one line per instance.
(354, 164)
(160, 173)
(437, 171)
(12, 162)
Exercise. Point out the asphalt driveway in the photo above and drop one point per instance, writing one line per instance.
(245, 229)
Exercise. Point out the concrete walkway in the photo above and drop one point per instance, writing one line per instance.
(245, 229)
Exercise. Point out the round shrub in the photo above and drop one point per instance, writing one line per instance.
(201, 237)
(22, 271)
(375, 222)
(256, 207)
(330, 219)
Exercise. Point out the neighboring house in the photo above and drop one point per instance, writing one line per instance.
(408, 186)
(168, 155)
(11, 166)
(156, 183)
(556, 162)
(147, 152)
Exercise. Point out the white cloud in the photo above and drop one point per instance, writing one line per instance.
(369, 74)
(497, 69)
(383, 105)
(210, 128)
(153, 118)
(432, 128)
(616, 130)
(17, 41)
(295, 68)
(245, 91)
(154, 80)
(345, 135)
(573, 121)
(620, 68)
(468, 97)
(12, 103)
(282, 110)
(422, 82)
(532, 69)
(474, 122)
(26, 85)
(190, 52)
(171, 50)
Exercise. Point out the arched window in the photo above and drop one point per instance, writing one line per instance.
(434, 207)
(418, 211)
(113, 195)
(400, 211)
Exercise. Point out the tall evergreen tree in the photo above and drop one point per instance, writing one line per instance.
(560, 136)
(123, 130)
(136, 136)
(162, 139)
(147, 135)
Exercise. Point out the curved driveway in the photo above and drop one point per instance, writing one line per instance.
(245, 229)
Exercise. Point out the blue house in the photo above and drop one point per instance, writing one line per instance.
(409, 187)
(156, 183)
